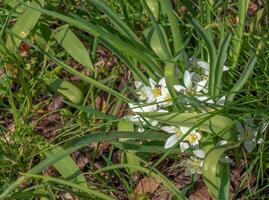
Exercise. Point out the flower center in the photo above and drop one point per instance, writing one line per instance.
(192, 138)
(179, 132)
(157, 91)
(190, 91)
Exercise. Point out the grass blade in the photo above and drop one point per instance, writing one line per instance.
(117, 21)
(211, 51)
(238, 37)
(173, 22)
(244, 76)
(222, 53)
(160, 34)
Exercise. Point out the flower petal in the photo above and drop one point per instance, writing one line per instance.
(204, 65)
(169, 129)
(184, 130)
(179, 88)
(184, 146)
(171, 141)
(249, 145)
(225, 68)
(138, 84)
(199, 153)
(201, 85)
(221, 101)
(162, 82)
(152, 83)
(187, 79)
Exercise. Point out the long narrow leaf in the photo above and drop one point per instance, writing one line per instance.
(70, 42)
(244, 76)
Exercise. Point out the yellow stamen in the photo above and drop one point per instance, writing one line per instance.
(157, 91)
(190, 91)
(192, 138)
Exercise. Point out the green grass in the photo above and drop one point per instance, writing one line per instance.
(90, 53)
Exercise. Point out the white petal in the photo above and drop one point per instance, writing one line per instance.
(162, 111)
(225, 68)
(153, 123)
(201, 85)
(184, 130)
(162, 82)
(184, 146)
(140, 129)
(240, 128)
(249, 145)
(179, 88)
(187, 79)
(138, 84)
(169, 129)
(203, 65)
(149, 108)
(195, 77)
(199, 153)
(222, 142)
(152, 83)
(221, 101)
(171, 141)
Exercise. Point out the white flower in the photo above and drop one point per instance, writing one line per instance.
(193, 165)
(137, 119)
(190, 88)
(205, 67)
(248, 134)
(192, 139)
(157, 92)
(206, 99)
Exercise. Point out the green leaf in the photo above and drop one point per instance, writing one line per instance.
(25, 23)
(67, 168)
(116, 20)
(174, 26)
(222, 53)
(65, 88)
(154, 7)
(215, 124)
(213, 172)
(155, 43)
(211, 51)
(129, 157)
(238, 36)
(70, 42)
(243, 79)
(159, 34)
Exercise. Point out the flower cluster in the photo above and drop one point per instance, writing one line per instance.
(155, 97)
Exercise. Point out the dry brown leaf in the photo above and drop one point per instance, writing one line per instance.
(146, 185)
(200, 194)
